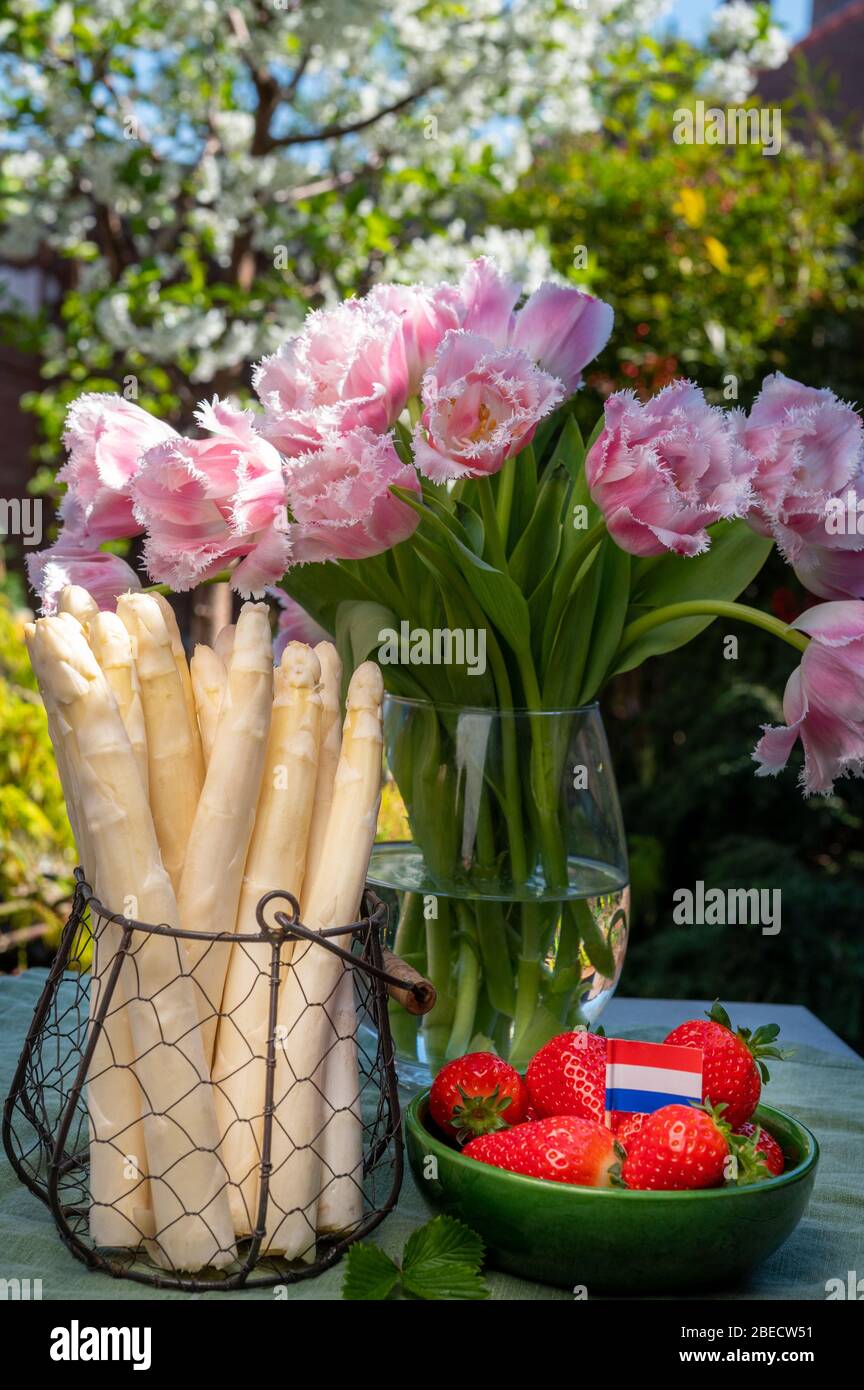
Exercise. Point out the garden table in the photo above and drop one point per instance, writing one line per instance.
(823, 1085)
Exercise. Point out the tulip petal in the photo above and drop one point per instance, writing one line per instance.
(833, 624)
(563, 328)
(488, 299)
(105, 577)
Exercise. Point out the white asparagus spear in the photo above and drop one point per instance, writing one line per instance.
(187, 1181)
(312, 982)
(219, 841)
(77, 602)
(178, 651)
(341, 1203)
(208, 685)
(61, 740)
(276, 859)
(331, 742)
(224, 642)
(112, 647)
(120, 1203)
(173, 749)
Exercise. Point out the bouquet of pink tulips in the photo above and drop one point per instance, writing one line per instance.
(416, 461)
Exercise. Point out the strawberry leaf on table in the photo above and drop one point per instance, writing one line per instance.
(445, 1279)
(441, 1260)
(370, 1273)
(443, 1238)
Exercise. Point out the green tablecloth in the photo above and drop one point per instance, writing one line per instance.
(825, 1091)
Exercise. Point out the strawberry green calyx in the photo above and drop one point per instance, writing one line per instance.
(749, 1165)
(746, 1163)
(477, 1094)
(616, 1177)
(759, 1043)
(479, 1114)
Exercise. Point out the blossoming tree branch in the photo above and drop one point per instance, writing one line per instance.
(236, 163)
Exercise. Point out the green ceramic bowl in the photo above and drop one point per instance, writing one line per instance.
(608, 1239)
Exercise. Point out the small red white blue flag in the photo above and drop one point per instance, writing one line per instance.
(643, 1076)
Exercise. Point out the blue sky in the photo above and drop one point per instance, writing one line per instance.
(690, 16)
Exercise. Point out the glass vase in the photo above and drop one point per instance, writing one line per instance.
(508, 883)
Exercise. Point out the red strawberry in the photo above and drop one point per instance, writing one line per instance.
(731, 1062)
(568, 1076)
(477, 1094)
(767, 1146)
(678, 1148)
(626, 1127)
(561, 1148)
(685, 1147)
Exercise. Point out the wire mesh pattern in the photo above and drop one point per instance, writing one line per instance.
(194, 1164)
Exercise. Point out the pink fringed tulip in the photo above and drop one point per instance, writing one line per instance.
(559, 327)
(105, 436)
(355, 365)
(823, 704)
(807, 445)
(206, 502)
(105, 577)
(340, 500)
(809, 452)
(294, 625)
(481, 405)
(425, 316)
(492, 382)
(663, 471)
(346, 368)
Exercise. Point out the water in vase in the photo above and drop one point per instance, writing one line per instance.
(511, 969)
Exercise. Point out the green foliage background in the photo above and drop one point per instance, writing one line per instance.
(721, 263)
(681, 731)
(36, 847)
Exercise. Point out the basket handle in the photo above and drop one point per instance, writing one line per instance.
(415, 993)
(403, 982)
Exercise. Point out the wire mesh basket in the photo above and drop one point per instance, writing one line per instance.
(184, 1143)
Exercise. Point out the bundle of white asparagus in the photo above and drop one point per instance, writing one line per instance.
(191, 794)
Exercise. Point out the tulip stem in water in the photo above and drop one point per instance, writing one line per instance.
(463, 1028)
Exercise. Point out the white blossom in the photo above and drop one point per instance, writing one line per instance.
(772, 50)
(520, 254)
(730, 80)
(734, 26)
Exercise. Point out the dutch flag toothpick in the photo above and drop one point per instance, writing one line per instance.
(642, 1076)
